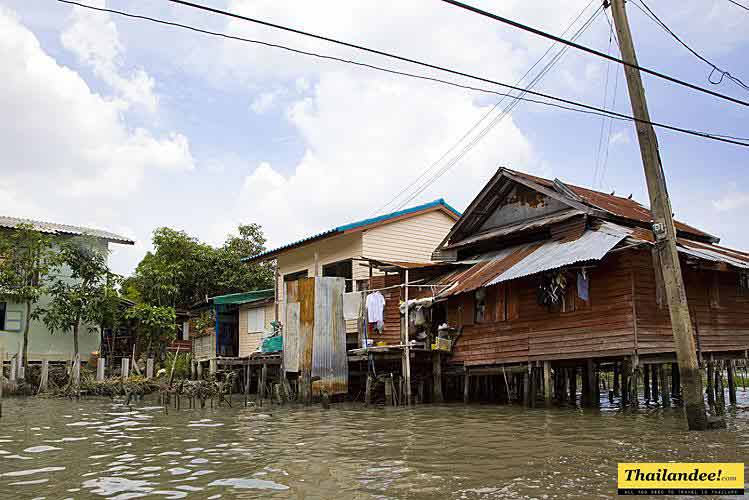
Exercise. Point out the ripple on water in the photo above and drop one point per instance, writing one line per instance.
(249, 483)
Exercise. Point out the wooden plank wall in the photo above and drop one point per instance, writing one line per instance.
(391, 316)
(720, 313)
(602, 327)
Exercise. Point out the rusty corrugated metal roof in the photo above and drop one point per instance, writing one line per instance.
(532, 258)
(616, 205)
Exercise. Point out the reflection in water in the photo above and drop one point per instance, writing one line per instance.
(96, 448)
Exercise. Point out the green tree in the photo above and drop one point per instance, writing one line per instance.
(182, 271)
(156, 325)
(76, 299)
(26, 260)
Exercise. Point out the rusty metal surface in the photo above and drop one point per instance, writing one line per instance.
(306, 297)
(714, 253)
(531, 258)
(616, 205)
(329, 357)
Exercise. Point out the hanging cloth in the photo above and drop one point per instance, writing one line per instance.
(583, 285)
(351, 305)
(375, 308)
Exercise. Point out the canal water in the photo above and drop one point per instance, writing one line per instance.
(97, 448)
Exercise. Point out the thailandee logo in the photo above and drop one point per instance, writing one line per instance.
(681, 479)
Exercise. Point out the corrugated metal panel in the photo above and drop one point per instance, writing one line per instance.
(329, 359)
(531, 258)
(53, 228)
(244, 297)
(306, 297)
(715, 254)
(291, 338)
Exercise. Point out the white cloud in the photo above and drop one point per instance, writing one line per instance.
(264, 101)
(64, 138)
(619, 137)
(733, 200)
(92, 36)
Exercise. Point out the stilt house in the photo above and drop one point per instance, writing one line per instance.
(545, 274)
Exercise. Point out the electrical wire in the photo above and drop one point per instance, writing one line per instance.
(505, 112)
(599, 145)
(740, 5)
(584, 49)
(715, 69)
(567, 103)
(496, 105)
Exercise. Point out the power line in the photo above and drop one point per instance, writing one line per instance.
(505, 112)
(586, 49)
(723, 74)
(496, 105)
(738, 4)
(587, 109)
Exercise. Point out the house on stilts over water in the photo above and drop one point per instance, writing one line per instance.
(541, 287)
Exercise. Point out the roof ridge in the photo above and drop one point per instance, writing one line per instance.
(47, 226)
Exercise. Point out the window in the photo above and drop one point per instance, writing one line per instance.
(479, 310)
(295, 276)
(506, 304)
(2, 315)
(256, 320)
(341, 269)
(362, 285)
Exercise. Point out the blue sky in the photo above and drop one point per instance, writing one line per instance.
(126, 125)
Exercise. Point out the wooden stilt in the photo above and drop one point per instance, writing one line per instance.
(44, 379)
(590, 382)
(263, 381)
(368, 390)
(530, 386)
(731, 381)
(654, 371)
(389, 390)
(466, 387)
(200, 370)
(437, 396)
(665, 391)
(100, 368)
(720, 396)
(149, 368)
(675, 383)
(125, 368)
(247, 380)
(547, 382)
(572, 373)
(617, 380)
(634, 394)
(710, 382)
(626, 388)
(646, 382)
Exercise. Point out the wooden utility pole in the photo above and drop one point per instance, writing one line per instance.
(663, 229)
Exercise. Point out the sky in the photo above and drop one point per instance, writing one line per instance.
(126, 125)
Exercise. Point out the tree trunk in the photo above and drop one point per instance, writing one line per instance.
(76, 352)
(26, 337)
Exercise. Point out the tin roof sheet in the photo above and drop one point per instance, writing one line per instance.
(531, 258)
(244, 297)
(63, 229)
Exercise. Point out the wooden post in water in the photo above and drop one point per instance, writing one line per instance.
(125, 369)
(710, 382)
(389, 391)
(720, 395)
(368, 390)
(547, 382)
(437, 396)
(263, 381)
(13, 368)
(665, 391)
(731, 381)
(572, 372)
(100, 367)
(2, 379)
(247, 380)
(626, 381)
(654, 371)
(590, 383)
(617, 380)
(634, 394)
(466, 387)
(149, 368)
(675, 382)
(528, 385)
(407, 349)
(212, 366)
(646, 382)
(44, 379)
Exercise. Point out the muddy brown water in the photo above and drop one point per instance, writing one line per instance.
(96, 448)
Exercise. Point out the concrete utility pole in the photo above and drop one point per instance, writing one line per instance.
(663, 229)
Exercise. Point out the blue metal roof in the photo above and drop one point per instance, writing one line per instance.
(356, 225)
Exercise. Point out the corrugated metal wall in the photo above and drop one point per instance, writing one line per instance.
(291, 338)
(329, 360)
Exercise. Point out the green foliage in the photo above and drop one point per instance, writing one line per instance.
(181, 363)
(156, 324)
(205, 321)
(182, 271)
(26, 259)
(77, 299)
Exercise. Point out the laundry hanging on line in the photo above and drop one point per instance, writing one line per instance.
(352, 305)
(375, 309)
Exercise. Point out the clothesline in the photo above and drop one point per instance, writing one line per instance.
(402, 285)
